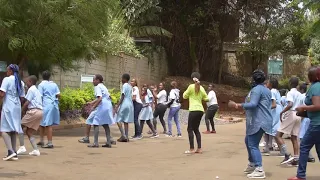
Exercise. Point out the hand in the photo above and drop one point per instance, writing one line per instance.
(155, 89)
(232, 104)
(301, 108)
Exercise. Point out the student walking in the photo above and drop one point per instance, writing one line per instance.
(161, 107)
(290, 124)
(137, 106)
(174, 104)
(104, 111)
(196, 94)
(125, 109)
(11, 90)
(50, 100)
(34, 114)
(146, 113)
(212, 108)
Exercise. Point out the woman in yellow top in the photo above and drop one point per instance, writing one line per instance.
(196, 94)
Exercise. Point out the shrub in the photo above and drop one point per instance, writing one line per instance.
(73, 101)
(284, 83)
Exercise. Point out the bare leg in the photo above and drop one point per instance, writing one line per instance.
(126, 130)
(295, 144)
(41, 129)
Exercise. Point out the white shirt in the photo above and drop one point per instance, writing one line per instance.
(162, 97)
(34, 97)
(174, 95)
(136, 92)
(294, 96)
(212, 98)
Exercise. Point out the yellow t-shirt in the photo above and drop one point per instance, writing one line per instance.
(195, 99)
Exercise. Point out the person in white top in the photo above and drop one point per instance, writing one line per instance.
(211, 110)
(33, 116)
(174, 103)
(137, 106)
(290, 123)
(161, 107)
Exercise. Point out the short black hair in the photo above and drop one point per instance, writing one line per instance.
(46, 75)
(294, 82)
(99, 77)
(303, 87)
(126, 77)
(33, 79)
(258, 76)
(274, 83)
(196, 75)
(282, 92)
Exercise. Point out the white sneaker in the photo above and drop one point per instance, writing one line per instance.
(35, 152)
(258, 173)
(21, 150)
(249, 169)
(263, 144)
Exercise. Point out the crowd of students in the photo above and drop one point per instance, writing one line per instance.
(272, 113)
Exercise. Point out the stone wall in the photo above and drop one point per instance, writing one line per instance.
(112, 68)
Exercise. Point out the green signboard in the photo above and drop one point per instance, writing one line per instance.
(275, 66)
(3, 66)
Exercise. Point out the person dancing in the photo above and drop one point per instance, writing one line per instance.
(196, 94)
(211, 110)
(161, 107)
(51, 116)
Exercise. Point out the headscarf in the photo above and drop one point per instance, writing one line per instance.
(15, 69)
(258, 77)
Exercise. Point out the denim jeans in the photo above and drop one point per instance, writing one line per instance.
(310, 139)
(137, 108)
(252, 144)
(174, 113)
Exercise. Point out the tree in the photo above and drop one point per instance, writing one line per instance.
(45, 33)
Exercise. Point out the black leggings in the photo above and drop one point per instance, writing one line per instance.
(149, 124)
(193, 127)
(160, 111)
(211, 112)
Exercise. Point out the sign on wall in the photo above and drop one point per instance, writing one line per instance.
(3, 66)
(86, 79)
(275, 66)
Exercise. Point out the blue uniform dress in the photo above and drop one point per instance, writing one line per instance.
(146, 112)
(305, 122)
(125, 111)
(49, 91)
(104, 113)
(11, 107)
(275, 95)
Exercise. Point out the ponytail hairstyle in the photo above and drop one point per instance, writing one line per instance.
(15, 70)
(195, 77)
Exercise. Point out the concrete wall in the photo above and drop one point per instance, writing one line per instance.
(112, 68)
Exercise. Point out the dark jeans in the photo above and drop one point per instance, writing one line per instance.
(137, 108)
(252, 144)
(193, 127)
(211, 112)
(159, 111)
(310, 139)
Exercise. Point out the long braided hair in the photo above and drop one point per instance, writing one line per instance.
(15, 69)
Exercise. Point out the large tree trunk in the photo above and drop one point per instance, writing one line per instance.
(193, 55)
(222, 61)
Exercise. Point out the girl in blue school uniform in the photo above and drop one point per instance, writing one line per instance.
(50, 100)
(146, 113)
(124, 109)
(11, 91)
(276, 109)
(104, 111)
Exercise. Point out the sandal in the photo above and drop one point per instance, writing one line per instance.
(48, 146)
(93, 146)
(198, 151)
(189, 152)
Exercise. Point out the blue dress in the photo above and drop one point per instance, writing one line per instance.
(305, 122)
(11, 107)
(104, 113)
(125, 111)
(275, 95)
(146, 112)
(51, 115)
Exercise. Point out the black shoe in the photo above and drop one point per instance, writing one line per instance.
(311, 160)
(106, 146)
(113, 142)
(287, 159)
(84, 140)
(123, 139)
(40, 144)
(294, 163)
(11, 155)
(48, 146)
(93, 146)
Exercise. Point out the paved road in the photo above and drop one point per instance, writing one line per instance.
(148, 159)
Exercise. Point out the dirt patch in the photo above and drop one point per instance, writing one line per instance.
(224, 92)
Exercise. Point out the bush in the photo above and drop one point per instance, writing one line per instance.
(72, 101)
(284, 83)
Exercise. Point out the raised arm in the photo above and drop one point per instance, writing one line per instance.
(254, 99)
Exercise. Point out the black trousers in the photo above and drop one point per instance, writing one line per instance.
(193, 128)
(211, 112)
(160, 110)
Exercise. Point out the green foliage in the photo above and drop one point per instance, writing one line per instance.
(314, 51)
(284, 82)
(75, 99)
